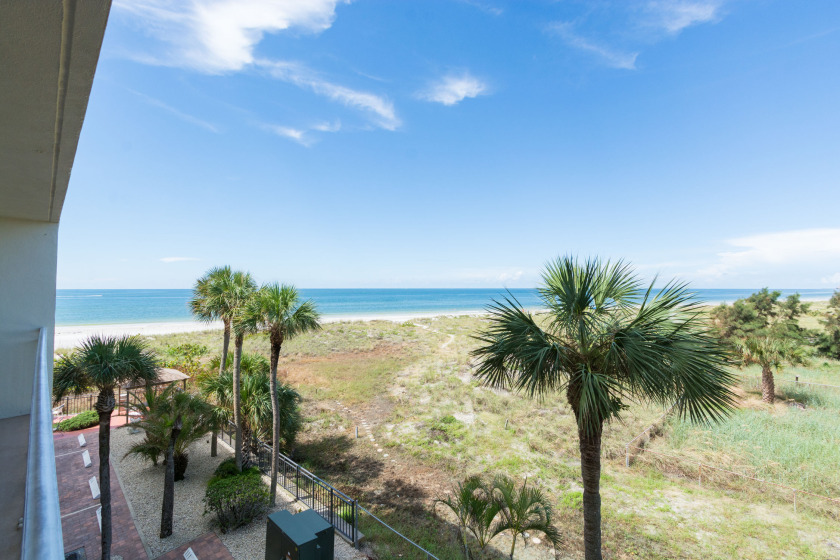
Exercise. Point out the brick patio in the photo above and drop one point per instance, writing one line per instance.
(78, 508)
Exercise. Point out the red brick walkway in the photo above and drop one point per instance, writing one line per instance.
(205, 547)
(78, 508)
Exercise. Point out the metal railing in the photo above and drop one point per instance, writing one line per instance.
(339, 509)
(42, 537)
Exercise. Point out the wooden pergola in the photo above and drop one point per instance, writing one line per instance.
(166, 376)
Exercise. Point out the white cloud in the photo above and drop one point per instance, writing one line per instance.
(675, 15)
(218, 36)
(302, 136)
(780, 249)
(612, 57)
(833, 280)
(380, 108)
(177, 259)
(453, 89)
(181, 115)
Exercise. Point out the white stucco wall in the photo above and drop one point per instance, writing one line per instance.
(27, 303)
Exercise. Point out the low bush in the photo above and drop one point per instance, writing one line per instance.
(238, 499)
(226, 469)
(80, 421)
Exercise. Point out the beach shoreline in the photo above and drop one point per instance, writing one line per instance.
(70, 336)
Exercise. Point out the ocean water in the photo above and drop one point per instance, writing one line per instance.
(95, 307)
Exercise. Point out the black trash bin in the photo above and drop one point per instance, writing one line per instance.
(305, 536)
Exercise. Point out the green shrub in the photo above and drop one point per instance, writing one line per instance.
(226, 469)
(80, 421)
(237, 500)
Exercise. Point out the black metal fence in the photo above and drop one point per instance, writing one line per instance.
(333, 505)
(76, 404)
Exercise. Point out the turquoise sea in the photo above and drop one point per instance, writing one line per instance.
(95, 307)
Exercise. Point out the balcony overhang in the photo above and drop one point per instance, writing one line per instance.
(48, 55)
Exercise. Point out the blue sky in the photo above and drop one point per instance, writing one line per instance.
(459, 143)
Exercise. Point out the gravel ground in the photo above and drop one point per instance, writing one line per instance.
(143, 486)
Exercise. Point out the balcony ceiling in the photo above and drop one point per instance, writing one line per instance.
(48, 55)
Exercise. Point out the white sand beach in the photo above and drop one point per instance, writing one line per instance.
(72, 336)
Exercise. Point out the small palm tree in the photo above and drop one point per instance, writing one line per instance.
(257, 416)
(604, 341)
(158, 414)
(474, 507)
(770, 353)
(220, 294)
(523, 509)
(106, 363)
(278, 311)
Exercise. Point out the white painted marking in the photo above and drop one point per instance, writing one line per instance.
(86, 458)
(190, 555)
(94, 487)
(99, 517)
(82, 442)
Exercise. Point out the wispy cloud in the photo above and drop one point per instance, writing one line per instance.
(611, 57)
(380, 108)
(632, 26)
(454, 88)
(675, 15)
(786, 248)
(486, 7)
(302, 136)
(221, 37)
(177, 259)
(172, 110)
(832, 280)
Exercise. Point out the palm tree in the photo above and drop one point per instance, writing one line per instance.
(770, 353)
(257, 414)
(606, 340)
(522, 510)
(277, 310)
(218, 295)
(159, 414)
(474, 507)
(106, 363)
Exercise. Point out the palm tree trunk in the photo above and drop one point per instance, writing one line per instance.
(225, 347)
(222, 365)
(590, 467)
(168, 510)
(237, 397)
(276, 343)
(768, 387)
(105, 403)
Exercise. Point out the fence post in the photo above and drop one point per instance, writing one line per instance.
(355, 525)
(794, 501)
(297, 481)
(796, 380)
(627, 455)
(333, 520)
(357, 432)
(700, 474)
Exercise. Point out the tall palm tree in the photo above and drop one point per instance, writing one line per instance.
(219, 295)
(211, 302)
(278, 310)
(523, 509)
(606, 340)
(770, 353)
(104, 362)
(240, 290)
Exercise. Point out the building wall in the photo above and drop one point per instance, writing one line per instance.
(28, 252)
